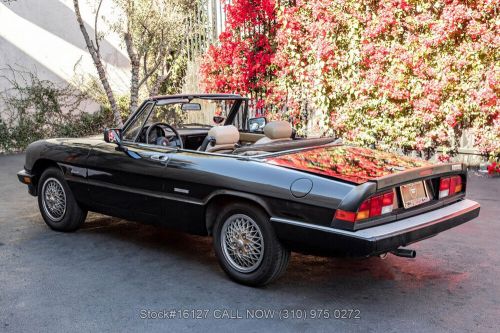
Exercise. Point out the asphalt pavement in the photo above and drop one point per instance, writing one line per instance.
(115, 275)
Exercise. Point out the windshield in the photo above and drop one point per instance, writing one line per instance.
(135, 126)
(197, 113)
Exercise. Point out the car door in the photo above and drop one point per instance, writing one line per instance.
(129, 184)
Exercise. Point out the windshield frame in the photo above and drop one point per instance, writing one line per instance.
(166, 100)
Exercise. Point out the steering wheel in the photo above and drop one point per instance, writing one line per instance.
(178, 137)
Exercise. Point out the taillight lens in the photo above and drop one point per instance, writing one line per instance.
(374, 206)
(387, 203)
(449, 186)
(345, 215)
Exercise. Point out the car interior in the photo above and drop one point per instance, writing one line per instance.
(197, 125)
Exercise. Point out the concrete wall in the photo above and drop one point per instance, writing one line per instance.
(43, 36)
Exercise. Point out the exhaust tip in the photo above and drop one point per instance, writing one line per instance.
(383, 255)
(405, 253)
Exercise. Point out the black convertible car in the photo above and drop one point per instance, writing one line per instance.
(199, 164)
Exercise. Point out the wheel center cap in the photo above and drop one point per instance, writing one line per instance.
(240, 244)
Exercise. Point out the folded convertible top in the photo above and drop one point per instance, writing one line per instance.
(280, 146)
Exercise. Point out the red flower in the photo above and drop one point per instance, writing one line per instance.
(260, 104)
(494, 167)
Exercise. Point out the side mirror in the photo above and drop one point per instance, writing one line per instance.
(113, 135)
(218, 119)
(257, 124)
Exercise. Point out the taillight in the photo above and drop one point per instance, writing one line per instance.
(345, 215)
(449, 186)
(374, 206)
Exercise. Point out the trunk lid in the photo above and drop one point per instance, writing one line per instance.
(359, 165)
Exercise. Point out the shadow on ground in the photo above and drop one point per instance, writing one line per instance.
(101, 277)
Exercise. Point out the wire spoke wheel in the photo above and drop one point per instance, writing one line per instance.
(54, 199)
(242, 243)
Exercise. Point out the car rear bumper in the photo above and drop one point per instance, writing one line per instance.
(26, 178)
(307, 237)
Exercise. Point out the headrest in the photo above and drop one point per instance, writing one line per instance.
(224, 134)
(278, 130)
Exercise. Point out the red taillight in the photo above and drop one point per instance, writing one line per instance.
(371, 207)
(388, 203)
(444, 187)
(449, 186)
(345, 215)
(376, 205)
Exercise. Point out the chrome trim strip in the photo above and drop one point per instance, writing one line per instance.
(24, 173)
(174, 197)
(397, 227)
(181, 190)
(315, 226)
(154, 194)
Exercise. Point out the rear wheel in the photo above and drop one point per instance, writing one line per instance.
(57, 204)
(247, 247)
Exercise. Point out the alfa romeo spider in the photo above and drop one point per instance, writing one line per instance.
(200, 164)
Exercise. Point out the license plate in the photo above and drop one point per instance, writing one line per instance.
(414, 194)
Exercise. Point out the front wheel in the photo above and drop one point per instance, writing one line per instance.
(247, 247)
(57, 204)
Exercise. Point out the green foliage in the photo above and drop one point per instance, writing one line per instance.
(4, 134)
(155, 33)
(86, 124)
(176, 75)
(34, 109)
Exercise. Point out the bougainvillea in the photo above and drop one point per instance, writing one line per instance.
(242, 62)
(398, 73)
(493, 168)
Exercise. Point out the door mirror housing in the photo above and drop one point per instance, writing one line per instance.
(113, 135)
(257, 124)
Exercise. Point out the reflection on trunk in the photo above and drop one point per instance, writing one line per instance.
(354, 164)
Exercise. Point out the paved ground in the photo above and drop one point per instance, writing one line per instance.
(110, 273)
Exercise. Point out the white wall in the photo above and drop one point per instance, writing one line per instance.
(43, 36)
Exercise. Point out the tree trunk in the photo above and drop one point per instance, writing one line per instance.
(96, 57)
(162, 78)
(135, 66)
(156, 88)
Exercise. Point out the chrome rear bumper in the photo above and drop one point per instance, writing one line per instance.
(378, 239)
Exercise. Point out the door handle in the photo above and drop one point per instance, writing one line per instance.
(163, 159)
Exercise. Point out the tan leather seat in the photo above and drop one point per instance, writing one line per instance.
(276, 131)
(224, 139)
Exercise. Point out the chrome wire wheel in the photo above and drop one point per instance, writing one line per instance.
(242, 243)
(53, 199)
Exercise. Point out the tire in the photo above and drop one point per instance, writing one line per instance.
(56, 202)
(234, 251)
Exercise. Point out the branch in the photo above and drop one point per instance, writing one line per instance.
(151, 72)
(95, 26)
(96, 57)
(127, 37)
(145, 67)
(88, 41)
(158, 83)
(163, 77)
(158, 61)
